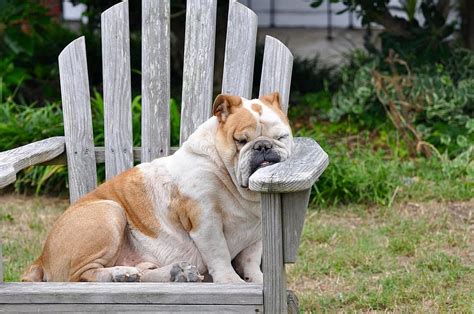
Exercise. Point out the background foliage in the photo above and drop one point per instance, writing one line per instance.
(379, 116)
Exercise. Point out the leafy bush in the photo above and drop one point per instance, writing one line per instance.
(23, 124)
(436, 99)
(30, 42)
(371, 170)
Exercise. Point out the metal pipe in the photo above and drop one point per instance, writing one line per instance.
(329, 22)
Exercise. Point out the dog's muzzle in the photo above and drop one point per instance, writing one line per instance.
(263, 155)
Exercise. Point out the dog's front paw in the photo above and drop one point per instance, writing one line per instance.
(227, 278)
(185, 272)
(125, 274)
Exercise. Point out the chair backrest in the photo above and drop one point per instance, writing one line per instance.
(197, 94)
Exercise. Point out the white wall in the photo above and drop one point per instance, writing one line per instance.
(298, 13)
(288, 13)
(73, 13)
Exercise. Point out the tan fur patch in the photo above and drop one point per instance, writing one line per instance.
(184, 211)
(129, 191)
(223, 105)
(241, 121)
(272, 101)
(257, 108)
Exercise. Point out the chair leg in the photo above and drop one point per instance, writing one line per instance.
(274, 276)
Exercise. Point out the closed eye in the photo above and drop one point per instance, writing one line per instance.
(241, 141)
(282, 137)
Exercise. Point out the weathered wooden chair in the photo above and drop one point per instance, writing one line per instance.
(285, 187)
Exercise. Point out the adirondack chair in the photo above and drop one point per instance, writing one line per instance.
(285, 187)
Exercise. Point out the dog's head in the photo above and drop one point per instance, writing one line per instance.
(251, 134)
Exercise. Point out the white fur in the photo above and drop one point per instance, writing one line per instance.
(202, 175)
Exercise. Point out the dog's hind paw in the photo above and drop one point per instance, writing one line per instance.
(185, 272)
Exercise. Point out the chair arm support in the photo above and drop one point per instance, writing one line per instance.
(299, 172)
(14, 160)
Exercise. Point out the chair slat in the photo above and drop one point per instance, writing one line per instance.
(239, 51)
(274, 276)
(117, 94)
(77, 119)
(155, 79)
(276, 76)
(198, 65)
(276, 70)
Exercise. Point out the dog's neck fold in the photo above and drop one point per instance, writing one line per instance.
(206, 147)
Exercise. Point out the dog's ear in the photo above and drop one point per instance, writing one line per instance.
(272, 100)
(222, 106)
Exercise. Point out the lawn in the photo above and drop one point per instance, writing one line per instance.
(410, 257)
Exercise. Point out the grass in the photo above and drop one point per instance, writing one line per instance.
(411, 257)
(25, 222)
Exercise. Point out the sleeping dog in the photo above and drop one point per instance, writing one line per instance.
(180, 216)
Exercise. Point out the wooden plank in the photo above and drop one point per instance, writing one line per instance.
(77, 119)
(134, 308)
(130, 293)
(99, 156)
(198, 69)
(274, 276)
(306, 163)
(155, 79)
(14, 160)
(240, 46)
(276, 70)
(117, 94)
(293, 206)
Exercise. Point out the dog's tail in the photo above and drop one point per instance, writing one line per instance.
(34, 273)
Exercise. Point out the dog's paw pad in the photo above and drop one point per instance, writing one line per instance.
(185, 272)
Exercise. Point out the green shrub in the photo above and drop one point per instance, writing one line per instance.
(370, 169)
(439, 97)
(23, 124)
(30, 42)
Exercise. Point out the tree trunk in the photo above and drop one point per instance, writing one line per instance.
(467, 23)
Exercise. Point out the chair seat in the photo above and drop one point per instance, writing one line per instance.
(136, 297)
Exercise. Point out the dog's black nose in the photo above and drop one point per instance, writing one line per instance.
(262, 145)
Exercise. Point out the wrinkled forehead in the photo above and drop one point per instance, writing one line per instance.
(267, 116)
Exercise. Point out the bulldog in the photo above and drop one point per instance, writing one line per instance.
(180, 216)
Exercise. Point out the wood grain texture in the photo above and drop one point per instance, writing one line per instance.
(117, 94)
(77, 119)
(99, 151)
(132, 308)
(129, 293)
(299, 172)
(155, 79)
(240, 46)
(276, 70)
(274, 276)
(198, 69)
(14, 160)
(293, 211)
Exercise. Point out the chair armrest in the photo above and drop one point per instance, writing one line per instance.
(299, 172)
(14, 160)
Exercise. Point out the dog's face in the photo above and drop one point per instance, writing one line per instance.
(252, 134)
